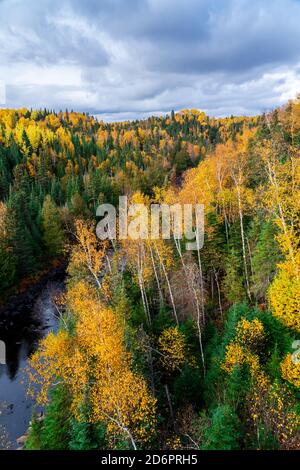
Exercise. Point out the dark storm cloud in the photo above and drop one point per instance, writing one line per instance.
(141, 56)
(64, 47)
(203, 36)
(36, 33)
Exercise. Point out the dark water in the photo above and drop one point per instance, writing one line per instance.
(21, 335)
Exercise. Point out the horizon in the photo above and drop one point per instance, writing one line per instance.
(236, 57)
(101, 117)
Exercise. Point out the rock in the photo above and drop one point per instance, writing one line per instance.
(22, 439)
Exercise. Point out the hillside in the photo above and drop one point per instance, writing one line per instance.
(159, 347)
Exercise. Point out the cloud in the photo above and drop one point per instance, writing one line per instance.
(132, 58)
(31, 34)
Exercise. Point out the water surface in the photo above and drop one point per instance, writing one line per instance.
(21, 335)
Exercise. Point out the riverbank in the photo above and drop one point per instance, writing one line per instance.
(24, 297)
(24, 321)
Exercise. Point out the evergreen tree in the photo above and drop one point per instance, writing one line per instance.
(53, 235)
(223, 431)
(56, 426)
(265, 258)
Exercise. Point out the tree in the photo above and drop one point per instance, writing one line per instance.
(264, 260)
(283, 198)
(233, 281)
(172, 347)
(53, 235)
(8, 260)
(224, 430)
(96, 368)
(87, 255)
(56, 425)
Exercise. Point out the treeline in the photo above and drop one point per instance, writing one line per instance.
(160, 347)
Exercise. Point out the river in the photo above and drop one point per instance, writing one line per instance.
(21, 334)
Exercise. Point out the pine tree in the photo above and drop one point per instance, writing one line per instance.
(56, 426)
(53, 235)
(264, 260)
(224, 430)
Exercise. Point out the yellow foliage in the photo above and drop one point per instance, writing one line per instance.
(291, 370)
(88, 254)
(268, 403)
(283, 198)
(172, 346)
(102, 137)
(250, 334)
(93, 362)
(234, 356)
(284, 296)
(271, 405)
(237, 355)
(174, 443)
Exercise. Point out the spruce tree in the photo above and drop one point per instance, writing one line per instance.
(53, 235)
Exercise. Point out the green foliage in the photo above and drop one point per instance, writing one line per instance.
(23, 234)
(233, 283)
(86, 436)
(237, 386)
(53, 235)
(264, 259)
(223, 430)
(8, 263)
(267, 440)
(162, 320)
(57, 167)
(33, 441)
(187, 387)
(56, 425)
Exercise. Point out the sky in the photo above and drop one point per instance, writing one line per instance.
(128, 59)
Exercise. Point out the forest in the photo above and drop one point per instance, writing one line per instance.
(159, 347)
